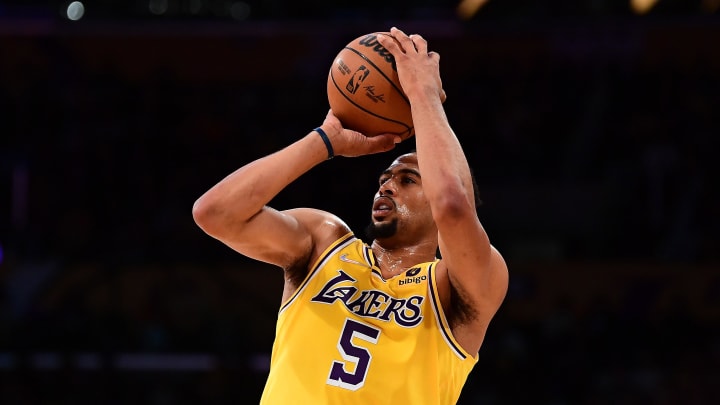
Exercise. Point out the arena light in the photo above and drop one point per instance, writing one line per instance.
(240, 11)
(75, 11)
(710, 6)
(158, 7)
(468, 8)
(642, 6)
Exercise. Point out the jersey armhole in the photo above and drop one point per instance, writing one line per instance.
(441, 319)
(339, 244)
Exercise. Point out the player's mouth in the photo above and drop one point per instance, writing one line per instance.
(382, 207)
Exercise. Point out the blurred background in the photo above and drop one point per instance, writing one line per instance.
(592, 126)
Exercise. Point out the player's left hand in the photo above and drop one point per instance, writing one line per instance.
(418, 69)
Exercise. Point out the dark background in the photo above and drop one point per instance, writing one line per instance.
(592, 129)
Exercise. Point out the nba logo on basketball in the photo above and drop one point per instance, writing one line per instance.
(357, 78)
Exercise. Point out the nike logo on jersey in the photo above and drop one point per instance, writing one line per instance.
(344, 258)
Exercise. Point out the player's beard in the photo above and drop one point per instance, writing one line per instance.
(381, 230)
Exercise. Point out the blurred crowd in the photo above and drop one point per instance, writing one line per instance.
(584, 152)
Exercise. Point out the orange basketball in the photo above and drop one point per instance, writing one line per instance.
(364, 92)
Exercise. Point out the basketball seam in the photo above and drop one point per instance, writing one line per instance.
(408, 128)
(392, 83)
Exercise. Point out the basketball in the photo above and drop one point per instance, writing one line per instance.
(364, 92)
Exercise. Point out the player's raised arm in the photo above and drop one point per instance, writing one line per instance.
(234, 210)
(474, 268)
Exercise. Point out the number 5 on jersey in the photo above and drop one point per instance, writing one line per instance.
(358, 356)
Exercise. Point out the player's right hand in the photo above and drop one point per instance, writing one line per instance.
(349, 143)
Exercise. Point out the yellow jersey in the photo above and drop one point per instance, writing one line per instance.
(349, 336)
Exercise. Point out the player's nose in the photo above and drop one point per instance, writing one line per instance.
(388, 188)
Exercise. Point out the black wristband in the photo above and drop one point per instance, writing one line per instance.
(325, 139)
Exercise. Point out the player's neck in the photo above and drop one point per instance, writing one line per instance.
(395, 260)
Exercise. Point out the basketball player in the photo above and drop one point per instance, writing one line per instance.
(386, 323)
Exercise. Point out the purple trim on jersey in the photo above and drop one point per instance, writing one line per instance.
(377, 273)
(370, 259)
(439, 315)
(341, 244)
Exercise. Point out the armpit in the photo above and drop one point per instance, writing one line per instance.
(295, 273)
(461, 312)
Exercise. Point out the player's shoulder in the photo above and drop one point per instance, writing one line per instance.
(316, 216)
(324, 226)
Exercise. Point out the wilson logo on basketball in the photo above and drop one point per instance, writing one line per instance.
(370, 41)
